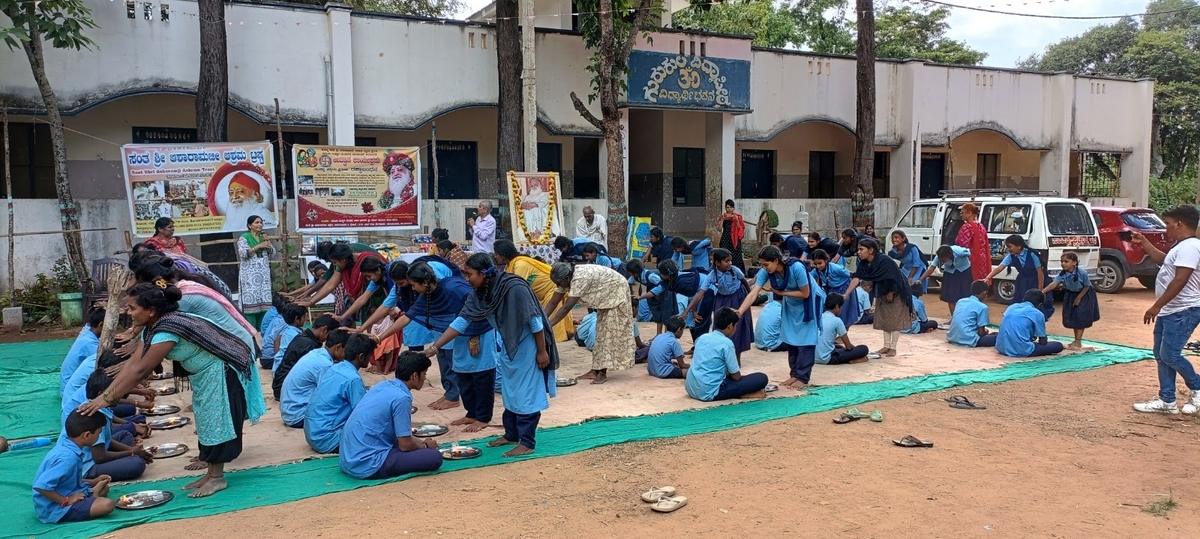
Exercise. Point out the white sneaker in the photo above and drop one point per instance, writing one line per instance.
(1193, 405)
(1156, 406)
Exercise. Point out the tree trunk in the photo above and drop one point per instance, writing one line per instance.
(618, 209)
(862, 197)
(62, 185)
(510, 149)
(212, 91)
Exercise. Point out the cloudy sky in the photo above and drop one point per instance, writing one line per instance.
(1007, 39)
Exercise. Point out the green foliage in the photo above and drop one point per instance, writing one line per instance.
(422, 8)
(1164, 46)
(822, 26)
(589, 26)
(66, 279)
(772, 217)
(295, 279)
(59, 22)
(1169, 192)
(39, 300)
(905, 32)
(770, 25)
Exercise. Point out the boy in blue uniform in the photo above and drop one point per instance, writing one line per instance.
(665, 359)
(714, 374)
(59, 492)
(270, 337)
(833, 330)
(700, 251)
(337, 394)
(293, 325)
(922, 324)
(768, 329)
(85, 345)
(305, 375)
(377, 441)
(968, 324)
(1022, 323)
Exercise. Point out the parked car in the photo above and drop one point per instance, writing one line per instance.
(1051, 225)
(1120, 258)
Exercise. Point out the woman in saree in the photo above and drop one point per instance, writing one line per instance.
(606, 291)
(254, 252)
(974, 237)
(164, 238)
(537, 274)
(893, 306)
(217, 361)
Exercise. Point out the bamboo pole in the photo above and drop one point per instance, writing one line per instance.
(283, 213)
(437, 207)
(118, 277)
(12, 279)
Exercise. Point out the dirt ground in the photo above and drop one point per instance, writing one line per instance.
(1055, 456)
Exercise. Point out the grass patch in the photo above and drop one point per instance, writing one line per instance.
(1160, 508)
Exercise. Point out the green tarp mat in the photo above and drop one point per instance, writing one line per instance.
(295, 481)
(29, 400)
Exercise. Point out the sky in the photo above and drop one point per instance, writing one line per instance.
(1005, 38)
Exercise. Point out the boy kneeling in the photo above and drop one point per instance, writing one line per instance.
(832, 330)
(714, 374)
(1023, 323)
(665, 359)
(59, 492)
(377, 441)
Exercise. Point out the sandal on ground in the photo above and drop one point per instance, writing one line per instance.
(876, 416)
(857, 414)
(963, 403)
(657, 493)
(912, 441)
(845, 418)
(669, 504)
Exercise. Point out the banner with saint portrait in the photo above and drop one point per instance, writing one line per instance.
(534, 207)
(342, 188)
(203, 188)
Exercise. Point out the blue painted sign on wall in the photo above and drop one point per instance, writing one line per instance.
(662, 80)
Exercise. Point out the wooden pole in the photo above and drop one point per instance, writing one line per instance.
(437, 205)
(284, 252)
(118, 278)
(12, 279)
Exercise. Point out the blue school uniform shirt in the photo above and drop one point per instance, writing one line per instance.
(919, 310)
(60, 471)
(970, 314)
(832, 327)
(440, 270)
(463, 360)
(384, 413)
(714, 359)
(85, 345)
(795, 330)
(1073, 281)
(285, 338)
(959, 263)
(527, 388)
(767, 327)
(1020, 259)
(268, 347)
(268, 319)
(607, 261)
(586, 331)
(837, 278)
(80, 378)
(336, 395)
(797, 246)
(300, 383)
(1022, 323)
(724, 283)
(643, 314)
(663, 349)
(662, 250)
(650, 279)
(700, 253)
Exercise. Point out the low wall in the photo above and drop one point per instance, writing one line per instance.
(37, 253)
(826, 216)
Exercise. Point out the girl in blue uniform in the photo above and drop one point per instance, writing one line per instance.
(833, 279)
(1031, 273)
(660, 300)
(955, 263)
(912, 264)
(727, 286)
(687, 285)
(801, 310)
(1080, 305)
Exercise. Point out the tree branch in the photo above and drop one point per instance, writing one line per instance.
(639, 18)
(587, 114)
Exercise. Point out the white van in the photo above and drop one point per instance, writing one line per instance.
(1051, 225)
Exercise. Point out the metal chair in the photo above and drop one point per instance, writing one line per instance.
(96, 288)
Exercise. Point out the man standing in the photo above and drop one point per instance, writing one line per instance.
(483, 228)
(592, 226)
(1177, 311)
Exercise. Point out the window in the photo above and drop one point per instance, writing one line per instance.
(820, 174)
(688, 185)
(1143, 220)
(32, 162)
(458, 170)
(987, 171)
(920, 216)
(1069, 219)
(587, 167)
(1006, 218)
(549, 157)
(881, 174)
(1101, 174)
(164, 135)
(290, 138)
(758, 173)
(364, 142)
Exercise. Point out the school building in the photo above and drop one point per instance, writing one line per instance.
(776, 126)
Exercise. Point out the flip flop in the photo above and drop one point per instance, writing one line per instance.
(669, 504)
(963, 403)
(845, 418)
(657, 493)
(876, 416)
(857, 414)
(912, 441)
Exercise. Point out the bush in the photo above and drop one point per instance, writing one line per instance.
(40, 300)
(1167, 193)
(66, 280)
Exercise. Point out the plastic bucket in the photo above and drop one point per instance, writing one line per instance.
(71, 306)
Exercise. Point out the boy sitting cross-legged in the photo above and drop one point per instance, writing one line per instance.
(59, 492)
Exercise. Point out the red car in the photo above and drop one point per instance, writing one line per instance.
(1120, 258)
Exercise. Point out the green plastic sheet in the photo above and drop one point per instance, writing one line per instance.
(29, 401)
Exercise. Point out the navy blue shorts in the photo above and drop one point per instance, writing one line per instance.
(79, 512)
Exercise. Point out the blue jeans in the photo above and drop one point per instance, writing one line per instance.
(1171, 333)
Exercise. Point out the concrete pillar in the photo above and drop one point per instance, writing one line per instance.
(624, 153)
(1135, 167)
(905, 163)
(340, 123)
(719, 150)
(1059, 104)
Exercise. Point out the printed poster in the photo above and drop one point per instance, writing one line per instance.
(639, 237)
(534, 207)
(343, 188)
(205, 187)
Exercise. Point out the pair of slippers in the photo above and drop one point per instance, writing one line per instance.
(663, 499)
(854, 415)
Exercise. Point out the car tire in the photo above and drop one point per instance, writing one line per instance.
(1110, 277)
(1005, 292)
(1147, 280)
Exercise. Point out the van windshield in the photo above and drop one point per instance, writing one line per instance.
(1006, 218)
(1066, 219)
(919, 217)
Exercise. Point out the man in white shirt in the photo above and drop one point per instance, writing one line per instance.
(592, 226)
(483, 228)
(1177, 311)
